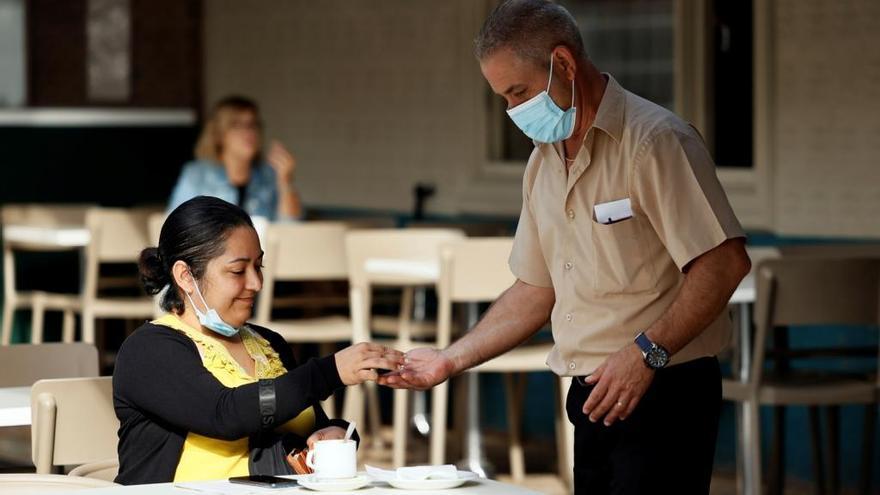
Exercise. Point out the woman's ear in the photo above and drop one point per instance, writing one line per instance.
(182, 276)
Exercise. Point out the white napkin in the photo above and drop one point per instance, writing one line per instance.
(444, 472)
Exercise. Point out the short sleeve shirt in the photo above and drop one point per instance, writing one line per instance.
(614, 280)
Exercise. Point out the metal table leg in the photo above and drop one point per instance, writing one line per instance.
(474, 459)
(743, 364)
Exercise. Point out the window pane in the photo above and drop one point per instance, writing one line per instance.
(12, 68)
(732, 75)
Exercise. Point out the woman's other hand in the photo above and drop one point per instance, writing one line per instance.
(283, 162)
(328, 433)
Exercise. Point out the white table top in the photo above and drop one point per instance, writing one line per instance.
(15, 406)
(745, 293)
(48, 237)
(478, 487)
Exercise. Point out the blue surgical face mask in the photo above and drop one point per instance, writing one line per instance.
(211, 319)
(540, 119)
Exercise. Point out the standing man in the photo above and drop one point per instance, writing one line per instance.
(627, 243)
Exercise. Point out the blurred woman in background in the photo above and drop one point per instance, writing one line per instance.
(229, 165)
(201, 394)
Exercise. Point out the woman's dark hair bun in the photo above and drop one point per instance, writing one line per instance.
(154, 274)
(195, 232)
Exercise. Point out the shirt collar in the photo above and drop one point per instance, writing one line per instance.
(609, 116)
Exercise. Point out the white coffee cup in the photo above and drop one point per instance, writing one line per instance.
(333, 459)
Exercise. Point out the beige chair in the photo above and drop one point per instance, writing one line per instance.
(413, 254)
(475, 271)
(106, 470)
(46, 483)
(73, 422)
(805, 291)
(23, 364)
(305, 252)
(117, 236)
(35, 215)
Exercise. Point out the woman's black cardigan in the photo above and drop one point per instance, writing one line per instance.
(161, 392)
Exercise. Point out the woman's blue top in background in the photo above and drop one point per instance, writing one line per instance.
(208, 178)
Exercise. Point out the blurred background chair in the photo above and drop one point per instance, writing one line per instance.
(306, 252)
(117, 237)
(475, 271)
(804, 291)
(403, 258)
(73, 422)
(40, 227)
(21, 365)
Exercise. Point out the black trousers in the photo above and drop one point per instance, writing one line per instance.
(667, 444)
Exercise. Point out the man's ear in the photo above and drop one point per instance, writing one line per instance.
(564, 62)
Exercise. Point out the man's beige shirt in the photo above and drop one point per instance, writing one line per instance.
(613, 281)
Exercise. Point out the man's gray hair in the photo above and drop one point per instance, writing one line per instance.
(531, 29)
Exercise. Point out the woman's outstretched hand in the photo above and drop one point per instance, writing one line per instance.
(359, 363)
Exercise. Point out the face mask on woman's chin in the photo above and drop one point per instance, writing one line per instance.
(210, 319)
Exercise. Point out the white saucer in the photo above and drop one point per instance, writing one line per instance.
(334, 485)
(433, 484)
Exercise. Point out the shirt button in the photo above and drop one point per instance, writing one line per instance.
(571, 214)
(568, 317)
(568, 265)
(571, 365)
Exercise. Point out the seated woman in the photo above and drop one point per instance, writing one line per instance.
(200, 393)
(229, 165)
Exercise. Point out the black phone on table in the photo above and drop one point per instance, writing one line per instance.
(264, 481)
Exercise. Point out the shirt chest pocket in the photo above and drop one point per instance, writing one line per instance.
(621, 261)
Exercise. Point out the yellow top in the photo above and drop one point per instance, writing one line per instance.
(205, 458)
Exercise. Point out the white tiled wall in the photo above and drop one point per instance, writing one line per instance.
(827, 118)
(372, 96)
(376, 95)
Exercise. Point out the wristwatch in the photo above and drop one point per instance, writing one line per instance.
(655, 355)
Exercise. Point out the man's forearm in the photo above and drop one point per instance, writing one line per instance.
(705, 292)
(517, 314)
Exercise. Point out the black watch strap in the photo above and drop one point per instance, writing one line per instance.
(267, 402)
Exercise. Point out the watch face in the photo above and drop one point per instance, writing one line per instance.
(657, 357)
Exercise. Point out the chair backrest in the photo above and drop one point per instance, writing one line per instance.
(23, 364)
(393, 244)
(73, 422)
(847, 250)
(814, 291)
(154, 227)
(476, 269)
(117, 236)
(44, 215)
(418, 246)
(45, 483)
(307, 251)
(471, 270)
(35, 215)
(301, 252)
